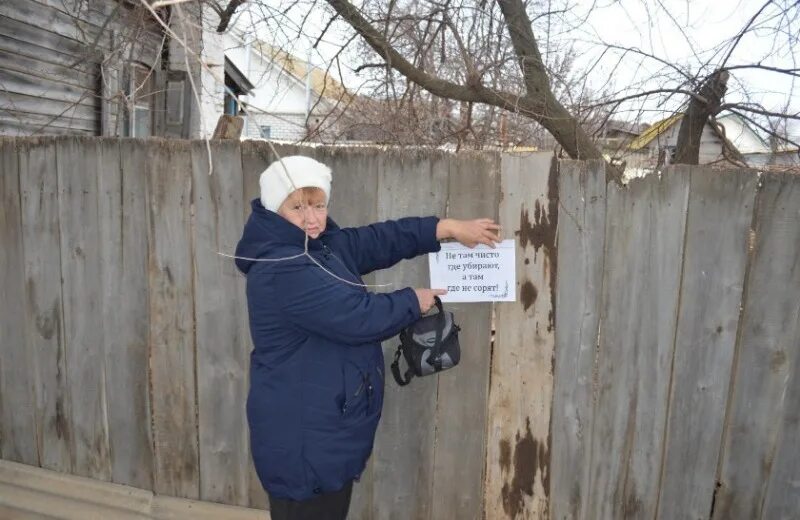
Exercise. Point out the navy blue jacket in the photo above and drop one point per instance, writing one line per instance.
(317, 369)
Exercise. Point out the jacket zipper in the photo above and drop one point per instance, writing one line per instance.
(366, 383)
(328, 252)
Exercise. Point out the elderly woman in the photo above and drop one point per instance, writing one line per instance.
(317, 369)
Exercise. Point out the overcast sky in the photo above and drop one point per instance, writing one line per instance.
(685, 32)
(680, 31)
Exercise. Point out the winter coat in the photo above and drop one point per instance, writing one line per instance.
(317, 368)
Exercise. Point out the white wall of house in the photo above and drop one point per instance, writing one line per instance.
(209, 79)
(783, 158)
(278, 101)
(275, 90)
(742, 136)
(286, 127)
(710, 143)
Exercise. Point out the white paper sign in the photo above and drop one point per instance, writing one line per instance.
(481, 274)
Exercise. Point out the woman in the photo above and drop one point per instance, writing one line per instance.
(317, 370)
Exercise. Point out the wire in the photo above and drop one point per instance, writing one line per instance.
(188, 51)
(220, 253)
(314, 260)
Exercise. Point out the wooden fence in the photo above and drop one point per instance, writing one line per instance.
(677, 366)
(667, 384)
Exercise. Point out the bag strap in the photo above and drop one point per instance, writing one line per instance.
(436, 350)
(396, 369)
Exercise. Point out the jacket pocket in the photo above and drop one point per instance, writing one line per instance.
(358, 390)
(379, 389)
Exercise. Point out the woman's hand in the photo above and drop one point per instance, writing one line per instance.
(469, 232)
(426, 298)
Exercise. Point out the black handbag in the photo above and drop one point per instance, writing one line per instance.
(429, 345)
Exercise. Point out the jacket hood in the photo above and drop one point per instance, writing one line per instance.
(268, 235)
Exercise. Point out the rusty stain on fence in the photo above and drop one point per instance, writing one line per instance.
(528, 294)
(531, 456)
(552, 246)
(523, 452)
(777, 360)
(541, 234)
(60, 423)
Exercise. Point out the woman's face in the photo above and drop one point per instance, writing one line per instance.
(307, 209)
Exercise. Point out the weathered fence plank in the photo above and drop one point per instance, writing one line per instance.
(520, 393)
(17, 388)
(581, 243)
(255, 158)
(219, 336)
(463, 393)
(354, 203)
(715, 258)
(639, 373)
(645, 224)
(43, 304)
(123, 252)
(355, 185)
(172, 346)
(782, 500)
(77, 162)
(766, 351)
(403, 457)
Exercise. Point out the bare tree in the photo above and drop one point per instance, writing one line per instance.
(495, 73)
(452, 67)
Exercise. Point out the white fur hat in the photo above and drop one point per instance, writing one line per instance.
(305, 172)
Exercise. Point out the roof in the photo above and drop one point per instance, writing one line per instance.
(321, 83)
(237, 76)
(662, 126)
(654, 131)
(626, 127)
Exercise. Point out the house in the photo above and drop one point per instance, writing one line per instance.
(107, 67)
(291, 100)
(742, 140)
(614, 136)
(621, 130)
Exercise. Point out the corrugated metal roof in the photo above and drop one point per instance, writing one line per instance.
(322, 83)
(653, 132)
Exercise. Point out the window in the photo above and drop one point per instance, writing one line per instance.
(236, 84)
(177, 120)
(231, 105)
(266, 131)
(175, 102)
(140, 102)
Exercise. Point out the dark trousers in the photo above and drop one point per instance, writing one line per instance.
(328, 506)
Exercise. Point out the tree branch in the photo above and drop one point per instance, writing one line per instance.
(697, 115)
(395, 60)
(619, 100)
(227, 14)
(789, 72)
(366, 66)
(562, 125)
(519, 28)
(765, 129)
(539, 103)
(744, 30)
(758, 110)
(729, 150)
(325, 30)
